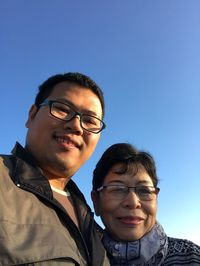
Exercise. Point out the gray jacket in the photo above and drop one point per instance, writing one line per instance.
(34, 228)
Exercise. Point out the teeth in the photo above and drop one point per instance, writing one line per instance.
(61, 139)
(64, 141)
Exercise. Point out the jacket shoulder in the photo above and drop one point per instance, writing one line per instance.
(7, 162)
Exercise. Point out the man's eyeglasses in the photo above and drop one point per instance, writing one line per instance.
(66, 113)
(120, 192)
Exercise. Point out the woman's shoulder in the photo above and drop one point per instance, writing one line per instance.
(182, 251)
(176, 245)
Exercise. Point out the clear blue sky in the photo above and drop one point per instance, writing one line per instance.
(146, 57)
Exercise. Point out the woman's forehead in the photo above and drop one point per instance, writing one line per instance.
(130, 168)
(122, 173)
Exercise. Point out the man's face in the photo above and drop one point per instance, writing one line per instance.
(59, 147)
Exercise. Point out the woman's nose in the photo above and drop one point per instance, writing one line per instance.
(131, 200)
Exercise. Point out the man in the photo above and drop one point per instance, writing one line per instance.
(44, 218)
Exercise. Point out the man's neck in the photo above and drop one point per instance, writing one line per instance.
(58, 183)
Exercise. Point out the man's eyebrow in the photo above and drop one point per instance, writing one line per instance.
(65, 101)
(86, 111)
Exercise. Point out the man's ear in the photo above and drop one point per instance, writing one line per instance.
(95, 199)
(32, 112)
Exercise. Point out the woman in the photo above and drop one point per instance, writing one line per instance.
(125, 196)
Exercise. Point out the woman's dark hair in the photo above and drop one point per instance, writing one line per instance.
(46, 88)
(129, 157)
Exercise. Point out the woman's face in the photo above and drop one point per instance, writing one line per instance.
(130, 218)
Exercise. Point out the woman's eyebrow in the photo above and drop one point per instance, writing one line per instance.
(143, 182)
(116, 181)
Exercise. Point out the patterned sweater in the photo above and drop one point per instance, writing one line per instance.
(182, 252)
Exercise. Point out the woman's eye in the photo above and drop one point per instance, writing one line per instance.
(144, 191)
(119, 189)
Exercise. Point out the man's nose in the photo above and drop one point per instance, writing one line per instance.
(74, 124)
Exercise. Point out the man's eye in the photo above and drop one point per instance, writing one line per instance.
(61, 109)
(90, 120)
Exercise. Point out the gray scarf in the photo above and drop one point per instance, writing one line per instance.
(149, 250)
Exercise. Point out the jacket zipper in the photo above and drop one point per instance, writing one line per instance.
(64, 214)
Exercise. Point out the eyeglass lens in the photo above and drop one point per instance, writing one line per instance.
(66, 113)
(120, 192)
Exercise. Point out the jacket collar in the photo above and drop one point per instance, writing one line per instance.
(27, 173)
(23, 154)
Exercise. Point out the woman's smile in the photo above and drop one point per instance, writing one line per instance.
(131, 220)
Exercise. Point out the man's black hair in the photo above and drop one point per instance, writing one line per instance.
(46, 88)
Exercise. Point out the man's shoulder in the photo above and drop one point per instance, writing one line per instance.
(6, 160)
(2, 156)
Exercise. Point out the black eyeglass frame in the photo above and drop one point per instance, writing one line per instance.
(50, 103)
(156, 191)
